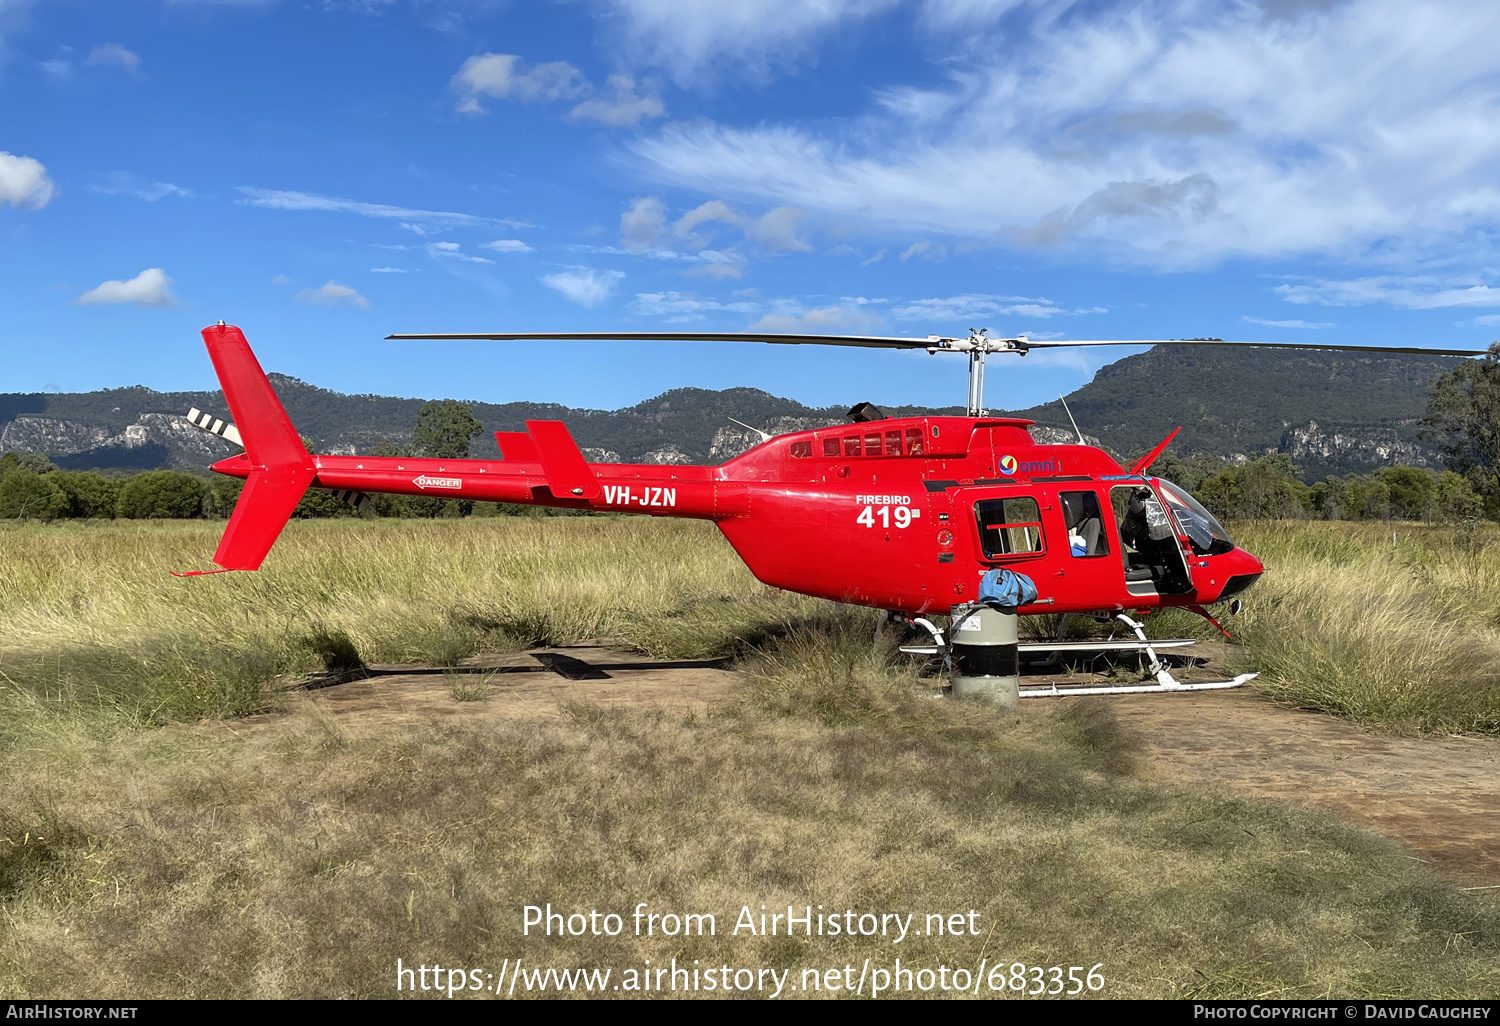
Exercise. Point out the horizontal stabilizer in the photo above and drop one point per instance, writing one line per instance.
(568, 473)
(517, 447)
(265, 506)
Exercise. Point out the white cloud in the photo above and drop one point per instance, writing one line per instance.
(641, 226)
(584, 285)
(123, 183)
(689, 40)
(504, 76)
(1488, 320)
(621, 108)
(506, 246)
(1288, 324)
(388, 270)
(678, 307)
(915, 249)
(151, 287)
(421, 221)
(281, 280)
(58, 67)
(1174, 132)
(706, 213)
(24, 182)
(874, 259)
(776, 230)
(453, 251)
(834, 319)
(332, 294)
(976, 305)
(719, 264)
(115, 56)
(1406, 293)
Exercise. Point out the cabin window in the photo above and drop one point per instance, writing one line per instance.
(801, 450)
(913, 441)
(851, 445)
(893, 443)
(1085, 523)
(831, 447)
(1009, 527)
(872, 444)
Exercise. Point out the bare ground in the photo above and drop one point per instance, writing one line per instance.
(529, 685)
(1439, 797)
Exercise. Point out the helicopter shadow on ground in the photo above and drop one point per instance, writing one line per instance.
(567, 666)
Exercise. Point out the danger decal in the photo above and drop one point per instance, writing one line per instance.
(424, 482)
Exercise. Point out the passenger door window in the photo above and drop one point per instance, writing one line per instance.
(1009, 527)
(1085, 524)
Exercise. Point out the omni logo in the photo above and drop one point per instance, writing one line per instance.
(1009, 465)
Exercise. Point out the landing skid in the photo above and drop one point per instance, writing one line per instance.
(1165, 682)
(1097, 647)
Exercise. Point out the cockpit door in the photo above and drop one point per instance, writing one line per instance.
(1151, 550)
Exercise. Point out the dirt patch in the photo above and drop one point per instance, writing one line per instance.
(1439, 797)
(528, 685)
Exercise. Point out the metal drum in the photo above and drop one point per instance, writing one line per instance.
(986, 659)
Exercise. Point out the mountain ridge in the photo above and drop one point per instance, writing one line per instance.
(1333, 412)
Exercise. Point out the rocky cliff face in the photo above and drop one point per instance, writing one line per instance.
(731, 440)
(1371, 446)
(1061, 436)
(77, 443)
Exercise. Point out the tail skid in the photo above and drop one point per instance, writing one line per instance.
(280, 468)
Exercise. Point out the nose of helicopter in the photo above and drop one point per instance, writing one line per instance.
(1242, 569)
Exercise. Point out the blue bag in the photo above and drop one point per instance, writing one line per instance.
(1006, 588)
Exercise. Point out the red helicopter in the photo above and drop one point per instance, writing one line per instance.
(901, 514)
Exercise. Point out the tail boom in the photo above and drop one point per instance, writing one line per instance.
(544, 467)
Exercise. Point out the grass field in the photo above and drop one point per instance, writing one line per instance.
(153, 842)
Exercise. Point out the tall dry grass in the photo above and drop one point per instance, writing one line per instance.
(301, 854)
(1392, 625)
(94, 621)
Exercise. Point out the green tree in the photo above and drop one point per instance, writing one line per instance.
(444, 429)
(223, 492)
(1412, 490)
(1190, 472)
(1455, 499)
(161, 495)
(89, 494)
(1262, 489)
(32, 461)
(27, 495)
(1463, 414)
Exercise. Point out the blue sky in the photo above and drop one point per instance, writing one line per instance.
(326, 172)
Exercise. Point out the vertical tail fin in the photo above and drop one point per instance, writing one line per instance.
(281, 468)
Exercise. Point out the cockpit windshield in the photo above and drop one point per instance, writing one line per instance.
(1206, 534)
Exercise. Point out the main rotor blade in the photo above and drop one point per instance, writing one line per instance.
(931, 342)
(1423, 350)
(867, 341)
